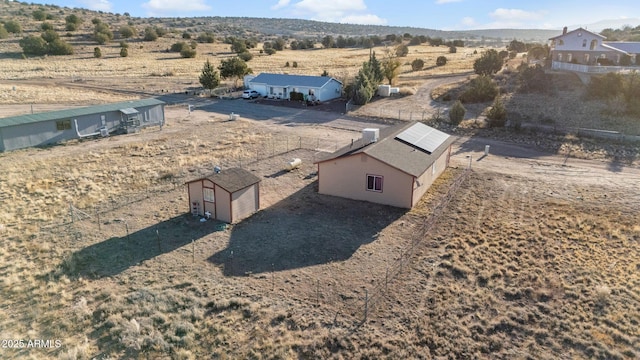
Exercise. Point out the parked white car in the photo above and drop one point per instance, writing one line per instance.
(250, 94)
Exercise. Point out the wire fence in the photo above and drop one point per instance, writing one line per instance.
(109, 219)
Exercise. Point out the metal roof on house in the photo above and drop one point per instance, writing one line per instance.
(626, 46)
(70, 113)
(285, 80)
(232, 179)
(396, 153)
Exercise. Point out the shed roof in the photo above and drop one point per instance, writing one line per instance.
(232, 179)
(394, 152)
(70, 113)
(286, 80)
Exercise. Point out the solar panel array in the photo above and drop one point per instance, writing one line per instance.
(423, 137)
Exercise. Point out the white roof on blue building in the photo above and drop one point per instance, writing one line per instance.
(285, 80)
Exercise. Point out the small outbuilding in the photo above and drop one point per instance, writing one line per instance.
(227, 195)
(392, 166)
(53, 127)
(280, 86)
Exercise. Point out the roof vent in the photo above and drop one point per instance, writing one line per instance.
(370, 135)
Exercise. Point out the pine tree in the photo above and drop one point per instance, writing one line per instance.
(209, 79)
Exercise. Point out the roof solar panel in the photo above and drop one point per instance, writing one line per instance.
(423, 137)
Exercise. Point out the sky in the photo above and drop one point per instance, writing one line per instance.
(431, 14)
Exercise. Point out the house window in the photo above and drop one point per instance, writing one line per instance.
(103, 120)
(559, 56)
(560, 42)
(374, 183)
(586, 58)
(584, 42)
(63, 125)
(208, 195)
(593, 45)
(569, 57)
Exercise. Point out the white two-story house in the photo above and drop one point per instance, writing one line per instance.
(584, 47)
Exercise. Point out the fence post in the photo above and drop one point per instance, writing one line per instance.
(318, 292)
(98, 219)
(300, 144)
(193, 251)
(158, 239)
(399, 117)
(71, 212)
(386, 279)
(366, 304)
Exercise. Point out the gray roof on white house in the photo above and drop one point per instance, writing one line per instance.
(286, 80)
(396, 153)
(578, 30)
(626, 46)
(70, 113)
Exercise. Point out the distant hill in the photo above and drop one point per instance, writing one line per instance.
(608, 24)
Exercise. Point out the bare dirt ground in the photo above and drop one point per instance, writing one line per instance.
(535, 257)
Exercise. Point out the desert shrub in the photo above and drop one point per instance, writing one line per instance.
(286, 64)
(3, 32)
(489, 63)
(101, 38)
(456, 114)
(150, 34)
(453, 50)
(441, 61)
(124, 52)
(73, 19)
(124, 44)
(497, 115)
(127, 31)
(186, 35)
(97, 53)
(188, 52)
(417, 64)
(294, 64)
(605, 86)
(60, 47)
(46, 26)
(246, 56)
(177, 47)
(39, 15)
(480, 89)
(270, 51)
(50, 36)
(206, 38)
(96, 21)
(161, 31)
(71, 27)
(533, 79)
(402, 50)
(33, 45)
(13, 26)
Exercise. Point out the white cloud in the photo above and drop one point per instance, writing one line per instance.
(280, 4)
(515, 14)
(97, 5)
(329, 10)
(366, 19)
(468, 21)
(446, 1)
(159, 7)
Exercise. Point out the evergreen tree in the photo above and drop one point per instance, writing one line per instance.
(209, 79)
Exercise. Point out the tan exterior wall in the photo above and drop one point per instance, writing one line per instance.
(223, 205)
(245, 202)
(195, 195)
(428, 177)
(347, 177)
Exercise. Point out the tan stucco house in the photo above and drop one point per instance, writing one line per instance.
(227, 195)
(392, 166)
